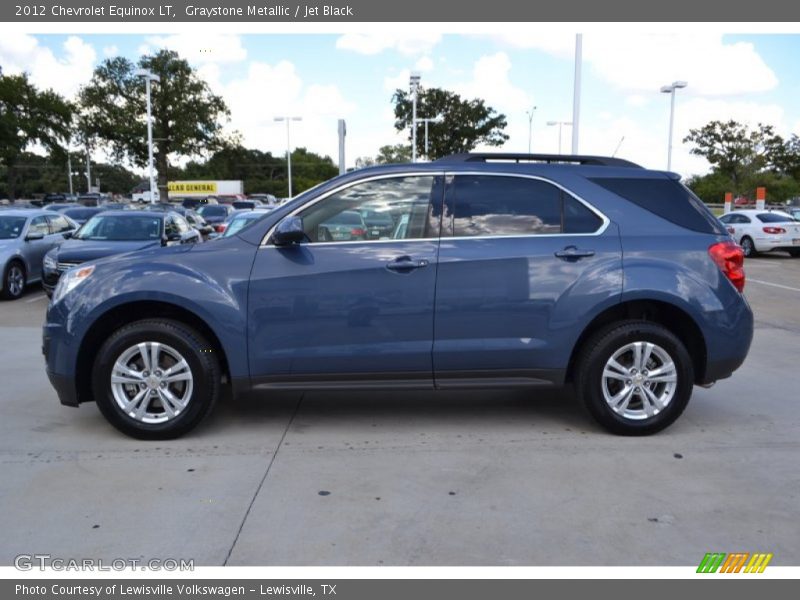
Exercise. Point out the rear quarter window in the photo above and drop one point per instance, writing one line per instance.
(667, 198)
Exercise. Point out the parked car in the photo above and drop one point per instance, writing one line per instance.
(215, 215)
(53, 198)
(81, 214)
(195, 203)
(61, 207)
(763, 231)
(26, 235)
(379, 224)
(794, 211)
(240, 220)
(115, 232)
(507, 274)
(266, 199)
(343, 227)
(192, 217)
(248, 204)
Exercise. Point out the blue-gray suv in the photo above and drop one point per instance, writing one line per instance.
(498, 270)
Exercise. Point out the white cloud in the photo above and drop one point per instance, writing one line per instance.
(374, 43)
(267, 91)
(490, 81)
(110, 51)
(645, 62)
(218, 48)
(637, 101)
(424, 64)
(21, 52)
(399, 81)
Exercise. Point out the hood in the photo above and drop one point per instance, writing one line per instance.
(83, 250)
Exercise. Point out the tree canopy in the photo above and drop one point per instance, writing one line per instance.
(463, 124)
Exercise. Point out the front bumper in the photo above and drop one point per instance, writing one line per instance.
(65, 388)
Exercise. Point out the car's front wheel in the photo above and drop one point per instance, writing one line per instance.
(156, 379)
(634, 377)
(13, 280)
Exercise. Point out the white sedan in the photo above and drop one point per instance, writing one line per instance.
(763, 231)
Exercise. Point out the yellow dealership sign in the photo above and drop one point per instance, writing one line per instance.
(192, 187)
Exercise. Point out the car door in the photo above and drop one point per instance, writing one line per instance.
(34, 250)
(347, 309)
(520, 262)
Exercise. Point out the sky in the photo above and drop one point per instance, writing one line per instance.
(324, 77)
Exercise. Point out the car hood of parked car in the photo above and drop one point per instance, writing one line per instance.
(83, 250)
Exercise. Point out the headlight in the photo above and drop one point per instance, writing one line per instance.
(70, 280)
(50, 262)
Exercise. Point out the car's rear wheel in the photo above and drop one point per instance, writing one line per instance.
(156, 379)
(634, 377)
(794, 252)
(13, 280)
(748, 246)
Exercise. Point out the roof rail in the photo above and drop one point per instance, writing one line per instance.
(601, 161)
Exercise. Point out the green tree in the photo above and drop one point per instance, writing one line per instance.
(736, 151)
(29, 116)
(187, 116)
(463, 123)
(788, 159)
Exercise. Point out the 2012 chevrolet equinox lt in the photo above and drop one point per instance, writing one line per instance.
(498, 271)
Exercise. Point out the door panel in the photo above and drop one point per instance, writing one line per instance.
(511, 305)
(329, 310)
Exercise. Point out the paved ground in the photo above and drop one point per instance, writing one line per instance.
(412, 479)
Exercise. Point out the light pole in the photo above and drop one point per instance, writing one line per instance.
(560, 125)
(69, 170)
(426, 121)
(289, 148)
(414, 82)
(670, 89)
(530, 126)
(149, 78)
(576, 93)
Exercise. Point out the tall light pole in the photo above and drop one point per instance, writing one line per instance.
(414, 83)
(426, 121)
(149, 78)
(576, 92)
(560, 125)
(670, 89)
(69, 170)
(289, 148)
(530, 126)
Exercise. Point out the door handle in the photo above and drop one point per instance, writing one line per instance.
(573, 253)
(405, 264)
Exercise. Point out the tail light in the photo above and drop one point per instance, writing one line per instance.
(358, 232)
(220, 227)
(729, 257)
(774, 230)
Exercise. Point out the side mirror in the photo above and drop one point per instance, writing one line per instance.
(34, 235)
(289, 231)
(68, 234)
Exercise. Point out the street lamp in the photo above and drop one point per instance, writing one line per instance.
(414, 82)
(530, 126)
(149, 78)
(670, 89)
(560, 125)
(426, 121)
(289, 148)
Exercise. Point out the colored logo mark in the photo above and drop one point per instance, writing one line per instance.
(736, 562)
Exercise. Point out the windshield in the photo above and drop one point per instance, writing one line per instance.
(119, 228)
(11, 227)
(213, 210)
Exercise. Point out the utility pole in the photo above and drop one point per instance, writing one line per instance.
(414, 81)
(69, 171)
(342, 134)
(576, 93)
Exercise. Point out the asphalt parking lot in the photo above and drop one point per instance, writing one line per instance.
(479, 478)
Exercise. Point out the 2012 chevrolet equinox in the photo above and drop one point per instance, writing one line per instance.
(496, 271)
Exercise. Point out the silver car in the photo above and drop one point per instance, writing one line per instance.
(26, 235)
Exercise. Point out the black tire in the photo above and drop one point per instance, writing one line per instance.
(748, 247)
(12, 269)
(794, 252)
(198, 354)
(590, 384)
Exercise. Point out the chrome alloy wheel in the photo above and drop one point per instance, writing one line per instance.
(151, 382)
(639, 380)
(15, 280)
